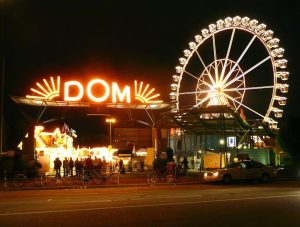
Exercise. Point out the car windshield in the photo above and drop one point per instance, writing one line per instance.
(253, 164)
(233, 165)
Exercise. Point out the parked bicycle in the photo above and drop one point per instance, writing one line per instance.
(162, 176)
(20, 179)
(96, 177)
(112, 176)
(51, 179)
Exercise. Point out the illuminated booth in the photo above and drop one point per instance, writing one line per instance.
(59, 143)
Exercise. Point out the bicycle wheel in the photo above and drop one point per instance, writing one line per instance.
(99, 178)
(114, 178)
(170, 178)
(40, 179)
(19, 180)
(54, 181)
(78, 180)
(68, 181)
(153, 178)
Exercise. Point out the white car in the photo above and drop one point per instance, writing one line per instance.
(242, 170)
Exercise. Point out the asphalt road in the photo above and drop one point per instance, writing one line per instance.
(274, 204)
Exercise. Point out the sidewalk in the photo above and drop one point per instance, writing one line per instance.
(128, 179)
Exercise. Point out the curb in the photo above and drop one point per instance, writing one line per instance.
(100, 186)
(124, 185)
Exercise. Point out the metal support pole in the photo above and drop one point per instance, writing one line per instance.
(5, 185)
(109, 132)
(200, 166)
(2, 106)
(82, 177)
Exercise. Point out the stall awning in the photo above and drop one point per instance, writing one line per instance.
(53, 103)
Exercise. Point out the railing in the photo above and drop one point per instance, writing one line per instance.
(91, 178)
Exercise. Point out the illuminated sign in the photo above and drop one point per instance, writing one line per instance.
(231, 141)
(96, 90)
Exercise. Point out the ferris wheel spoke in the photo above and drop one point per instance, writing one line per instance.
(227, 54)
(205, 68)
(244, 106)
(241, 95)
(241, 81)
(234, 104)
(235, 107)
(205, 83)
(246, 72)
(202, 101)
(190, 74)
(194, 92)
(239, 84)
(215, 57)
(248, 88)
(238, 61)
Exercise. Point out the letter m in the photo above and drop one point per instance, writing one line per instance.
(116, 93)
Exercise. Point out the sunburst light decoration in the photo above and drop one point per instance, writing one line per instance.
(144, 94)
(46, 90)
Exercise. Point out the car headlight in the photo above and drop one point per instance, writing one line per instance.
(216, 174)
(205, 174)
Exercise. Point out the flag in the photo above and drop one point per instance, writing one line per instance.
(65, 129)
(133, 150)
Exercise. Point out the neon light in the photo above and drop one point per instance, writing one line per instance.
(116, 92)
(140, 95)
(46, 92)
(50, 89)
(47, 85)
(67, 90)
(89, 90)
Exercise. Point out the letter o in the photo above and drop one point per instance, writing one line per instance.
(89, 90)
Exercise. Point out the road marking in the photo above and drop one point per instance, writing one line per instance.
(167, 197)
(88, 201)
(134, 199)
(145, 205)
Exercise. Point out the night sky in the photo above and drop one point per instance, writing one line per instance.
(125, 40)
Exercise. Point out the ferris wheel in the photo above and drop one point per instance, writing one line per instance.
(236, 62)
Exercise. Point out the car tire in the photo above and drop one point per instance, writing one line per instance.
(227, 179)
(265, 178)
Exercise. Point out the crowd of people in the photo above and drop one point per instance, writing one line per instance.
(85, 164)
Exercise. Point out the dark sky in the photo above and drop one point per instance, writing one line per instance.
(125, 40)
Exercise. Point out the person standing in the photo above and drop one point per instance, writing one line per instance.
(78, 167)
(104, 163)
(65, 166)
(95, 163)
(100, 166)
(193, 163)
(185, 165)
(121, 166)
(71, 166)
(142, 165)
(57, 166)
(89, 165)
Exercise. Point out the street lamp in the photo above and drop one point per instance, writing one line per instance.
(222, 142)
(200, 160)
(110, 121)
